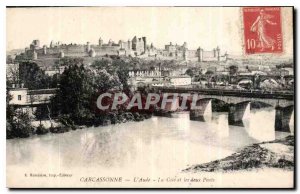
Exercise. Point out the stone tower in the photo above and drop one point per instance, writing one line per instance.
(200, 54)
(61, 54)
(184, 54)
(92, 53)
(110, 42)
(134, 43)
(100, 42)
(44, 49)
(218, 53)
(88, 47)
(185, 45)
(36, 43)
(145, 43)
(129, 45)
(121, 44)
(34, 55)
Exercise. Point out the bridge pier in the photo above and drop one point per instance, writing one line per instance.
(203, 108)
(171, 104)
(282, 118)
(238, 112)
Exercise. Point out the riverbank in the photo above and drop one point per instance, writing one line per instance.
(64, 124)
(272, 154)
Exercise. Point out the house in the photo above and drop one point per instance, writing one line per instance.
(18, 96)
(182, 80)
(29, 100)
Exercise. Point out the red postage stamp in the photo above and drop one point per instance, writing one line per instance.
(262, 30)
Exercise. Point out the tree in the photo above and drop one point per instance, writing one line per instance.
(41, 112)
(190, 72)
(17, 122)
(9, 59)
(75, 93)
(69, 61)
(122, 72)
(32, 76)
(79, 88)
(21, 125)
(209, 72)
(9, 108)
(12, 75)
(116, 67)
(104, 64)
(103, 81)
(233, 69)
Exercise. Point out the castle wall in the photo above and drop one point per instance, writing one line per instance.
(106, 50)
(208, 54)
(52, 55)
(134, 47)
(191, 53)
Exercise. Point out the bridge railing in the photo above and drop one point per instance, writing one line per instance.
(289, 95)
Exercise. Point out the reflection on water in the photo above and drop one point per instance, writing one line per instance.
(158, 144)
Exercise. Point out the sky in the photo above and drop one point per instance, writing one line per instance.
(198, 26)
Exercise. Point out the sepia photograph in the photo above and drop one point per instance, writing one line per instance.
(150, 97)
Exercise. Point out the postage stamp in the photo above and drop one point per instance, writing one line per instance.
(262, 30)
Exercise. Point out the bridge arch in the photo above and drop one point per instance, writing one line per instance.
(290, 81)
(141, 84)
(256, 104)
(245, 83)
(240, 78)
(269, 83)
(268, 78)
(217, 104)
(219, 98)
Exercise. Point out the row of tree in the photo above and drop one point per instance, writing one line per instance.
(79, 86)
(78, 89)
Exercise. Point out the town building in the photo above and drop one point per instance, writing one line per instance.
(154, 78)
(183, 80)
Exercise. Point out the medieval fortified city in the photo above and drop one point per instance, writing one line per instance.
(139, 110)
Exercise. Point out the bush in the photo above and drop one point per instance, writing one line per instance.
(59, 129)
(19, 125)
(9, 131)
(147, 115)
(41, 130)
(129, 116)
(22, 130)
(138, 117)
(67, 121)
(122, 118)
(114, 119)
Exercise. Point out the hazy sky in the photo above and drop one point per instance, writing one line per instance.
(198, 26)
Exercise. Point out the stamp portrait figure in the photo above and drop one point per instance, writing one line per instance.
(259, 26)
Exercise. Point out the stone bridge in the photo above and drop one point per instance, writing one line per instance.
(239, 103)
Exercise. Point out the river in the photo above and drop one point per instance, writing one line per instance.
(159, 147)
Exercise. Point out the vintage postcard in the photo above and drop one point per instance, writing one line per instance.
(150, 97)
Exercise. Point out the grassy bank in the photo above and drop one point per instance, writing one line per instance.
(272, 154)
(65, 124)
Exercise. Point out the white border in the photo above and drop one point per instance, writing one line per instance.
(5, 3)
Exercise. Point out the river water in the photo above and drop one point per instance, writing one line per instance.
(157, 147)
